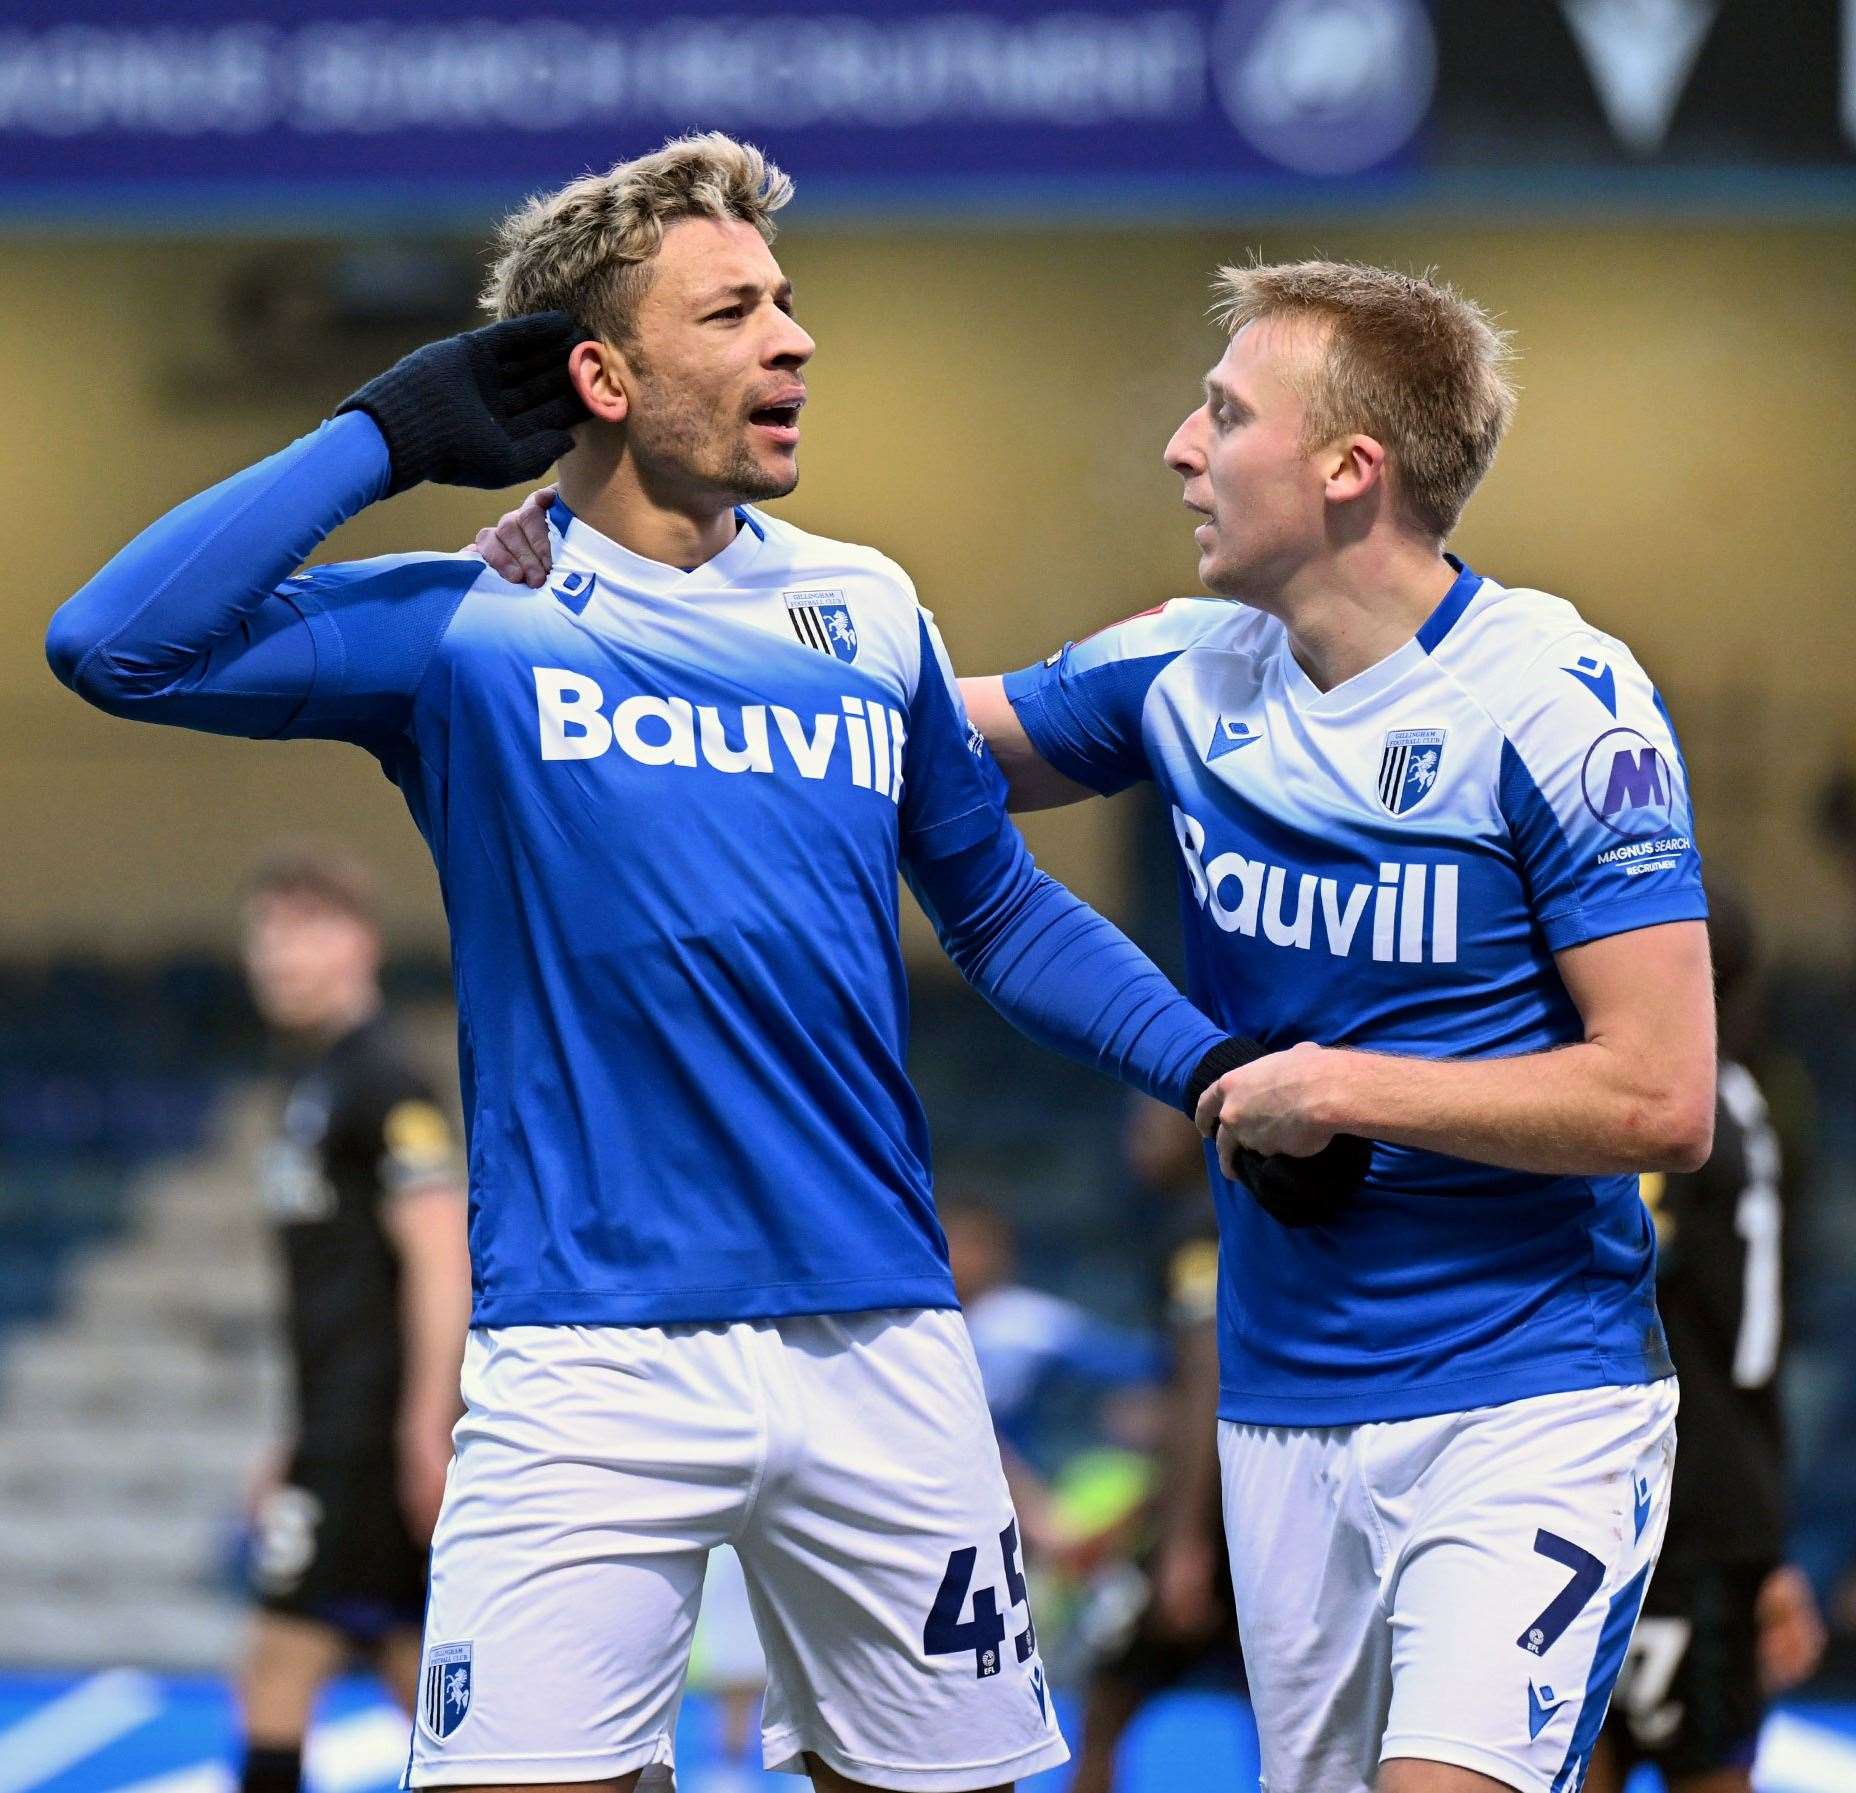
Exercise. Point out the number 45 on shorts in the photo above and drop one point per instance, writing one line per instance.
(946, 1633)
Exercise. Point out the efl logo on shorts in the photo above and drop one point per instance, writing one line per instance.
(444, 1689)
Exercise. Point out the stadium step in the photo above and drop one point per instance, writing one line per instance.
(134, 1420)
(94, 1380)
(167, 1292)
(79, 1550)
(57, 1466)
(182, 1628)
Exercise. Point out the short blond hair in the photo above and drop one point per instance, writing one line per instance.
(1405, 359)
(586, 249)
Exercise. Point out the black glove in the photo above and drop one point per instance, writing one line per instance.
(1296, 1191)
(491, 408)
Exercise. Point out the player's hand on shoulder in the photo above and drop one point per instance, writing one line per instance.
(516, 545)
(1266, 1116)
(491, 407)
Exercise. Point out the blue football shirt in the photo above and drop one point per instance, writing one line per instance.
(668, 810)
(1392, 865)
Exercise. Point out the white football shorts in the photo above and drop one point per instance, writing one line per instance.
(849, 1459)
(1460, 1588)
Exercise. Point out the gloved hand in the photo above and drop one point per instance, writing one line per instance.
(491, 407)
(1307, 1191)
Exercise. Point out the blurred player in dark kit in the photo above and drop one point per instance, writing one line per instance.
(361, 1186)
(1726, 1622)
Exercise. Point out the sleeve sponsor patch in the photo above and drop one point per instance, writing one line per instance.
(1628, 785)
(1192, 1283)
(418, 1142)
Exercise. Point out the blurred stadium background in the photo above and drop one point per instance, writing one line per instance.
(218, 216)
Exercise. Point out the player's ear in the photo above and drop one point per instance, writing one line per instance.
(602, 379)
(1353, 466)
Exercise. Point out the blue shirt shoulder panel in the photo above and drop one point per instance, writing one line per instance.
(1083, 706)
(955, 793)
(1591, 781)
(375, 625)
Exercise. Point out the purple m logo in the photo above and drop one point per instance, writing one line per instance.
(1628, 785)
(1636, 781)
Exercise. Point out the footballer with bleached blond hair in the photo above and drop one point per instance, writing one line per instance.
(668, 796)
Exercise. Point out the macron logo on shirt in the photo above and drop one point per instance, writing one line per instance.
(1408, 915)
(1228, 736)
(672, 731)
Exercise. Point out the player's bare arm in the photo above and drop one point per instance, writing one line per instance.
(1636, 1094)
(426, 1225)
(1032, 782)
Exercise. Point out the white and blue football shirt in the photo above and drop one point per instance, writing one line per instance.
(1391, 865)
(668, 810)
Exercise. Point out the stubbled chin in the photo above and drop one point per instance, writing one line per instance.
(774, 481)
(1214, 577)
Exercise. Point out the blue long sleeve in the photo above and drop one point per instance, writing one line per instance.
(187, 625)
(1059, 972)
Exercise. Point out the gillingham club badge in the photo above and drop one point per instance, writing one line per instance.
(1408, 767)
(445, 1689)
(822, 619)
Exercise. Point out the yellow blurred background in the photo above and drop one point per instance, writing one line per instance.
(989, 407)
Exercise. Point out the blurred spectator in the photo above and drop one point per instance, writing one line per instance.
(727, 1660)
(1032, 1348)
(1836, 816)
(1026, 1340)
(361, 1185)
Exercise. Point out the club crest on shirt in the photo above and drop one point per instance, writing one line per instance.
(1408, 767)
(822, 619)
(445, 1689)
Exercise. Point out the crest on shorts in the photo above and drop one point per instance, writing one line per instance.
(822, 619)
(445, 1689)
(1408, 767)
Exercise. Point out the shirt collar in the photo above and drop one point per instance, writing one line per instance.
(577, 545)
(1382, 674)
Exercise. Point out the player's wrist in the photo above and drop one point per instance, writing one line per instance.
(1328, 1093)
(1230, 1054)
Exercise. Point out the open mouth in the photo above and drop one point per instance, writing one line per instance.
(781, 420)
